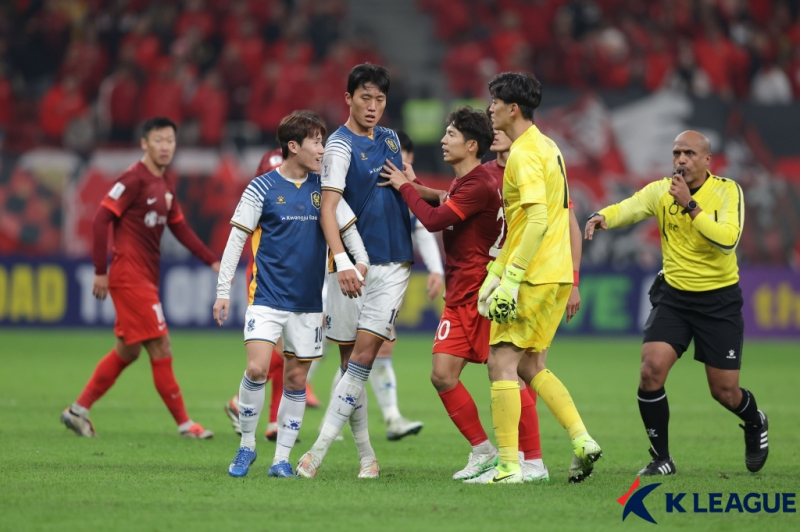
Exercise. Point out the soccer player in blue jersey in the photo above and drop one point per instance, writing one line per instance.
(280, 210)
(361, 315)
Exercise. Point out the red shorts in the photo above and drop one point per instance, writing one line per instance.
(139, 314)
(463, 333)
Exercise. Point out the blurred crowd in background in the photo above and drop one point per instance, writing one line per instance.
(87, 72)
(621, 78)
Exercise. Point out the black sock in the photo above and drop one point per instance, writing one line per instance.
(654, 408)
(747, 409)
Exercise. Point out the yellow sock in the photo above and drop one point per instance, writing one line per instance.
(506, 409)
(558, 400)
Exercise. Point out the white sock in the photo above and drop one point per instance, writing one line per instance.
(313, 369)
(290, 418)
(537, 462)
(251, 403)
(336, 378)
(483, 448)
(359, 426)
(79, 410)
(343, 400)
(384, 384)
(183, 427)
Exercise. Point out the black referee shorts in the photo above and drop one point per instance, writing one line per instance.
(713, 319)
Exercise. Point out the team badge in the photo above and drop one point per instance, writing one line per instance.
(392, 145)
(363, 156)
(168, 196)
(281, 201)
(316, 199)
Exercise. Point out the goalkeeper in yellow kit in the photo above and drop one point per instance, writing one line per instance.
(527, 288)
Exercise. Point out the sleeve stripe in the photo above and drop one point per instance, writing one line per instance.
(113, 208)
(243, 228)
(332, 189)
(722, 246)
(456, 210)
(349, 224)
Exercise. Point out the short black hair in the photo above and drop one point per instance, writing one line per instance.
(406, 144)
(368, 73)
(157, 122)
(298, 126)
(520, 88)
(474, 125)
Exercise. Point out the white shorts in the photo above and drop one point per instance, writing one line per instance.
(301, 331)
(375, 311)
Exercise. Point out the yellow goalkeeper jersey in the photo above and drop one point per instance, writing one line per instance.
(535, 174)
(698, 254)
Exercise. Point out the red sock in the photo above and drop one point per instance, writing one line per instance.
(529, 442)
(104, 376)
(168, 388)
(459, 404)
(276, 375)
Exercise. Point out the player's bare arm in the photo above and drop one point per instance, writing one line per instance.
(349, 282)
(575, 243)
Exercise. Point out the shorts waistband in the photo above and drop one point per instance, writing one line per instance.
(689, 293)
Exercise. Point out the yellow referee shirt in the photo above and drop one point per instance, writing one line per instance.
(698, 254)
(535, 174)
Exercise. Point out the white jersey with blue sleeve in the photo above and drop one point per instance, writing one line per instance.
(351, 166)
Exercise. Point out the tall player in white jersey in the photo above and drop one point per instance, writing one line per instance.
(280, 209)
(361, 315)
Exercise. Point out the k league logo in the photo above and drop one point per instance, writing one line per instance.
(702, 503)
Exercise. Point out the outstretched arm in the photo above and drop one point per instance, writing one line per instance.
(634, 209)
(189, 238)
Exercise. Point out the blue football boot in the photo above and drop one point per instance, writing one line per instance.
(242, 462)
(281, 469)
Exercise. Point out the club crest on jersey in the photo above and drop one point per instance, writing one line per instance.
(281, 201)
(168, 196)
(363, 156)
(316, 199)
(392, 145)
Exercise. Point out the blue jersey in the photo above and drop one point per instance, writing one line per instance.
(288, 244)
(351, 166)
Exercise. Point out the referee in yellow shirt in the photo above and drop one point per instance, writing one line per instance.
(695, 297)
(526, 291)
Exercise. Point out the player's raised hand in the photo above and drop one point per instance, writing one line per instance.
(100, 286)
(434, 286)
(680, 190)
(596, 221)
(396, 178)
(573, 303)
(221, 307)
(408, 171)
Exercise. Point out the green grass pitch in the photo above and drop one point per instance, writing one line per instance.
(139, 475)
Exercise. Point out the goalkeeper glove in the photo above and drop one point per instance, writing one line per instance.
(491, 282)
(503, 301)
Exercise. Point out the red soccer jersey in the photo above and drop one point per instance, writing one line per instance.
(144, 203)
(476, 199)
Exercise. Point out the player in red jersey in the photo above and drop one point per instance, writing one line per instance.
(471, 221)
(140, 204)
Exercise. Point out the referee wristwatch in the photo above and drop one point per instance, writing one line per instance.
(692, 205)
